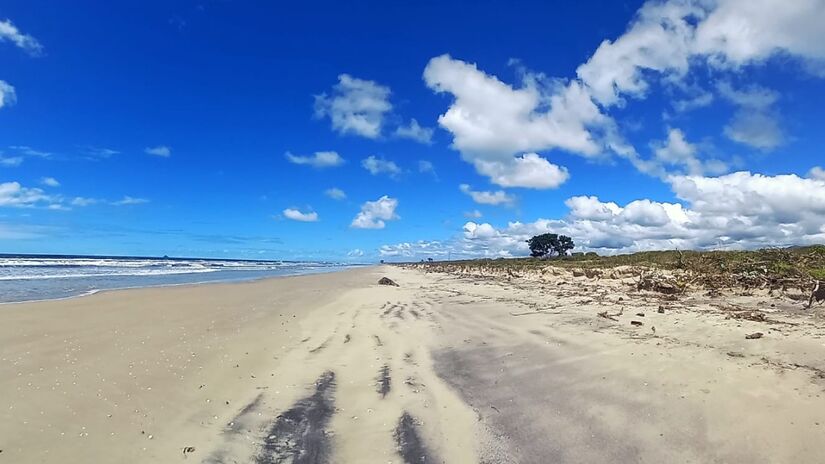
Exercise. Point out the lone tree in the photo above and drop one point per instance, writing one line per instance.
(547, 244)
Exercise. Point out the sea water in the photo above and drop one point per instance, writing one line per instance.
(28, 277)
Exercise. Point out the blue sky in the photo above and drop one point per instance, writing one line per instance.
(219, 128)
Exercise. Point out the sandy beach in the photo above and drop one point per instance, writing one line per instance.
(445, 367)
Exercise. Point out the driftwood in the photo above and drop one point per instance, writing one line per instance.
(817, 294)
(612, 317)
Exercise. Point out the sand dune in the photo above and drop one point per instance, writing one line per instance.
(443, 368)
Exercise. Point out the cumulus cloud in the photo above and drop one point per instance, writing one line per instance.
(355, 106)
(297, 215)
(377, 166)
(734, 211)
(499, 197)
(666, 36)
(374, 213)
(161, 150)
(335, 193)
(492, 121)
(49, 182)
(735, 33)
(416, 132)
(659, 40)
(355, 253)
(321, 159)
(9, 32)
(817, 173)
(474, 214)
(529, 170)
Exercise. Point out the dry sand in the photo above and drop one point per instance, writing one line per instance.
(443, 368)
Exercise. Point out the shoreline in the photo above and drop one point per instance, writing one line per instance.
(205, 282)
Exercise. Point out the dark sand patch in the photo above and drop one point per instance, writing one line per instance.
(410, 445)
(298, 436)
(383, 381)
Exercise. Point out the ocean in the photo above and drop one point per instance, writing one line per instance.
(44, 277)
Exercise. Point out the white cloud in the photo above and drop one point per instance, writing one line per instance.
(49, 182)
(296, 215)
(499, 197)
(127, 200)
(356, 106)
(492, 120)
(335, 193)
(415, 131)
(754, 123)
(10, 161)
(425, 166)
(759, 130)
(817, 173)
(474, 214)
(96, 153)
(738, 32)
(700, 99)
(30, 152)
(161, 150)
(374, 213)
(677, 155)
(7, 94)
(12, 194)
(10, 32)
(735, 211)
(355, 253)
(665, 37)
(380, 166)
(321, 159)
(659, 39)
(83, 201)
(529, 170)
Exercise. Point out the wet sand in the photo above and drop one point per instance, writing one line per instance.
(444, 368)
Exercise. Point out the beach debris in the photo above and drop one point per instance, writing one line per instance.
(387, 281)
(661, 309)
(612, 317)
(187, 450)
(637, 323)
(593, 274)
(735, 354)
(817, 294)
(754, 335)
(658, 283)
(640, 314)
